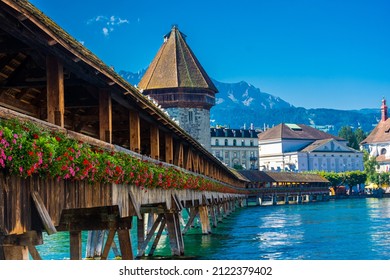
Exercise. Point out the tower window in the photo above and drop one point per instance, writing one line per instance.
(190, 116)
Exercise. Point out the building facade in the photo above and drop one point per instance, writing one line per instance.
(298, 148)
(377, 143)
(179, 84)
(237, 148)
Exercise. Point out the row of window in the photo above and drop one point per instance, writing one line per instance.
(235, 154)
(251, 143)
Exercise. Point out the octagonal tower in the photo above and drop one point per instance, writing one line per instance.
(178, 82)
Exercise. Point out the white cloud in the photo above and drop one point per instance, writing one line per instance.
(107, 23)
(105, 31)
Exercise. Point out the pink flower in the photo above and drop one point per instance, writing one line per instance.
(21, 169)
(9, 158)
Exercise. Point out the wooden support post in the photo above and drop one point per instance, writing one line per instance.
(219, 214)
(142, 248)
(213, 215)
(14, 252)
(168, 148)
(154, 142)
(195, 160)
(188, 160)
(135, 134)
(204, 219)
(95, 244)
(179, 155)
(141, 231)
(33, 252)
(174, 233)
(158, 236)
(55, 91)
(75, 245)
(125, 244)
(17, 246)
(105, 116)
(109, 242)
(194, 211)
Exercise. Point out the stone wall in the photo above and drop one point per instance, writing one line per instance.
(195, 121)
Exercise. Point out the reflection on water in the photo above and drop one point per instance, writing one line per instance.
(379, 213)
(349, 229)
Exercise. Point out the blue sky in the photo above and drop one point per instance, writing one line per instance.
(311, 53)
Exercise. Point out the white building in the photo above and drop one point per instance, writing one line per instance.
(236, 147)
(377, 142)
(292, 147)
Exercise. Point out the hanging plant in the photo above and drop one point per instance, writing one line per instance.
(27, 150)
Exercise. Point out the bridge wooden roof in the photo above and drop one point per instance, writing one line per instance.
(27, 37)
(285, 177)
(176, 66)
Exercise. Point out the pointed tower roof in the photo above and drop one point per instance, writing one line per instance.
(175, 66)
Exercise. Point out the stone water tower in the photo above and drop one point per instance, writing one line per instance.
(177, 81)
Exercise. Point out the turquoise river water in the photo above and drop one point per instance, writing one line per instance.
(348, 229)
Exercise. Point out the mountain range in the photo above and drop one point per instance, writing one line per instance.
(241, 104)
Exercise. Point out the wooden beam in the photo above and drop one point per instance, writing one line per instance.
(55, 91)
(94, 218)
(174, 233)
(154, 142)
(157, 238)
(179, 154)
(168, 148)
(144, 243)
(43, 213)
(109, 242)
(125, 244)
(135, 134)
(105, 116)
(204, 219)
(75, 245)
(194, 211)
(34, 252)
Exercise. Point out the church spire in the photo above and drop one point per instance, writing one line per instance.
(384, 110)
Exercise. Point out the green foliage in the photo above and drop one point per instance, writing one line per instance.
(354, 138)
(370, 167)
(335, 179)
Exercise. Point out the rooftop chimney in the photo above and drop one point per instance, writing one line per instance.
(384, 110)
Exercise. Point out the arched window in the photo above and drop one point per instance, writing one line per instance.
(226, 142)
(383, 151)
(234, 142)
(216, 142)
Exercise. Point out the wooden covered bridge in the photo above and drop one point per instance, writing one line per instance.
(65, 117)
(272, 188)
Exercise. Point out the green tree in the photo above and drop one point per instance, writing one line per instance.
(370, 166)
(360, 135)
(347, 133)
(353, 178)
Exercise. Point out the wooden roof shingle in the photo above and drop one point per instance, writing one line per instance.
(175, 66)
(286, 177)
